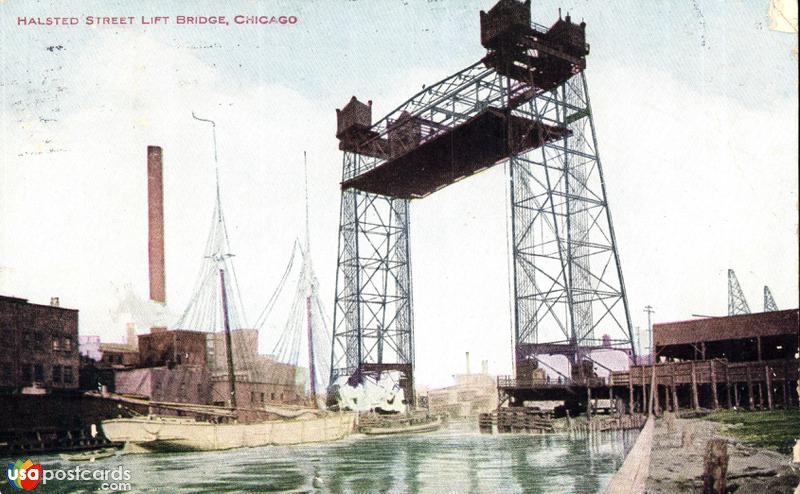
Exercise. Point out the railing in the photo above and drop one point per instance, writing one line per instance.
(512, 382)
(706, 371)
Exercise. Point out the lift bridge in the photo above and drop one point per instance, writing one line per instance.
(526, 103)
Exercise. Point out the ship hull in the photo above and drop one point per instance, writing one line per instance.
(404, 429)
(162, 434)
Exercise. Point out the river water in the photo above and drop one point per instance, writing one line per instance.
(455, 459)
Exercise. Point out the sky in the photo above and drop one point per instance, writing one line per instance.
(695, 106)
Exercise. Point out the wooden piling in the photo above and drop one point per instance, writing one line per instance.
(644, 393)
(760, 396)
(786, 402)
(589, 403)
(715, 467)
(750, 397)
(785, 387)
(653, 391)
(714, 385)
(613, 403)
(768, 379)
(736, 394)
(695, 398)
(630, 393)
(675, 403)
(728, 385)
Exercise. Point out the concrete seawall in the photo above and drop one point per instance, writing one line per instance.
(632, 476)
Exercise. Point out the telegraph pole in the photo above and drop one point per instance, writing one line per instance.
(650, 310)
(638, 342)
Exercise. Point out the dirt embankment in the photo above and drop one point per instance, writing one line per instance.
(676, 461)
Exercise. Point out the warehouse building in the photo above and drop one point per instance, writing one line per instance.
(39, 351)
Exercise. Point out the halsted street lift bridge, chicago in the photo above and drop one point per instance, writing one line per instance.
(525, 103)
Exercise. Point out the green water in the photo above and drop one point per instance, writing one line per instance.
(455, 459)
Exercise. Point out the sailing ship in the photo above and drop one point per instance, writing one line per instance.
(202, 427)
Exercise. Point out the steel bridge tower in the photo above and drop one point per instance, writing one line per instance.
(525, 103)
(769, 301)
(737, 304)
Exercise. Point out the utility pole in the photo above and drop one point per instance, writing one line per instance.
(650, 310)
(638, 342)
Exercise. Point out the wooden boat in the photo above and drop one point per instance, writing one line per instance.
(409, 426)
(180, 434)
(97, 454)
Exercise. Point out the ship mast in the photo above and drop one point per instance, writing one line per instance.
(309, 296)
(219, 257)
(231, 373)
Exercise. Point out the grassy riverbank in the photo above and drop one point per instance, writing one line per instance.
(776, 429)
(679, 447)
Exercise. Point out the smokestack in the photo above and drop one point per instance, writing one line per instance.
(131, 339)
(468, 363)
(155, 217)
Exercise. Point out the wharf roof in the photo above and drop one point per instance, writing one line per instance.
(744, 326)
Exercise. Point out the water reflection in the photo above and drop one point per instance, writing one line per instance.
(455, 459)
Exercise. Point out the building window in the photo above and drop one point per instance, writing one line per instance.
(38, 340)
(262, 397)
(57, 374)
(272, 396)
(68, 344)
(38, 372)
(56, 343)
(252, 396)
(27, 376)
(67, 374)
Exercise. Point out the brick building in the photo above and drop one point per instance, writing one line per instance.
(39, 346)
(265, 381)
(186, 366)
(170, 348)
(259, 378)
(178, 385)
(121, 355)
